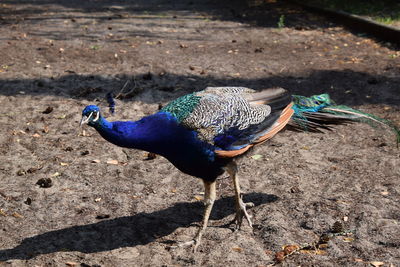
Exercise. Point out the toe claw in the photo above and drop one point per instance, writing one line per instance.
(192, 243)
(249, 204)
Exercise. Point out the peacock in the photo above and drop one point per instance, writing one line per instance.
(202, 133)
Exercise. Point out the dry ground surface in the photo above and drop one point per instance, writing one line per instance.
(108, 206)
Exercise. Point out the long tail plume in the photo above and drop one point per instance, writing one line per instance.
(320, 112)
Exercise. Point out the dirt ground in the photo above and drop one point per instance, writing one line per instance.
(108, 206)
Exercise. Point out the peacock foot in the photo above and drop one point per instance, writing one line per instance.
(192, 243)
(241, 212)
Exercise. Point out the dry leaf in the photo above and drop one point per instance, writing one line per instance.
(17, 215)
(348, 239)
(313, 252)
(289, 249)
(320, 252)
(198, 198)
(18, 132)
(237, 249)
(377, 263)
(3, 213)
(279, 256)
(112, 162)
(358, 260)
(257, 157)
(268, 252)
(323, 246)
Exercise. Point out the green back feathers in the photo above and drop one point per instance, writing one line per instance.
(182, 106)
(313, 103)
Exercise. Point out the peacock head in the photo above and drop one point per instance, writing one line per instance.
(90, 115)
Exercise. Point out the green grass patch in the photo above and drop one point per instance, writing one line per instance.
(383, 11)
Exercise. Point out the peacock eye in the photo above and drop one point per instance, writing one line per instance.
(95, 115)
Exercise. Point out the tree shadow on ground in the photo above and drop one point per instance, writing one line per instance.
(139, 229)
(253, 12)
(71, 17)
(346, 87)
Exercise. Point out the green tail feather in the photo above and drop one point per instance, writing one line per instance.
(360, 116)
(304, 107)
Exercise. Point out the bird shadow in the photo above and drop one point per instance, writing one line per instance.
(129, 231)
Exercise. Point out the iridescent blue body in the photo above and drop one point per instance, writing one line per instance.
(161, 133)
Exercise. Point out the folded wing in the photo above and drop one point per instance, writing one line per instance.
(233, 119)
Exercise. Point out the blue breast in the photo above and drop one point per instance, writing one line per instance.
(162, 134)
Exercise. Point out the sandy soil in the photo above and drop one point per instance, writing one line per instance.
(107, 206)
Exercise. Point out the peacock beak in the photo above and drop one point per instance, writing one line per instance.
(85, 119)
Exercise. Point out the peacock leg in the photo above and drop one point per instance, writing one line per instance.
(209, 198)
(239, 205)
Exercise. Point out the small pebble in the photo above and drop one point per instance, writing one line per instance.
(337, 227)
(21, 172)
(28, 201)
(48, 110)
(102, 216)
(45, 182)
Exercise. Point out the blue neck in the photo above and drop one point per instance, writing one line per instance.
(122, 133)
(101, 125)
(159, 133)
